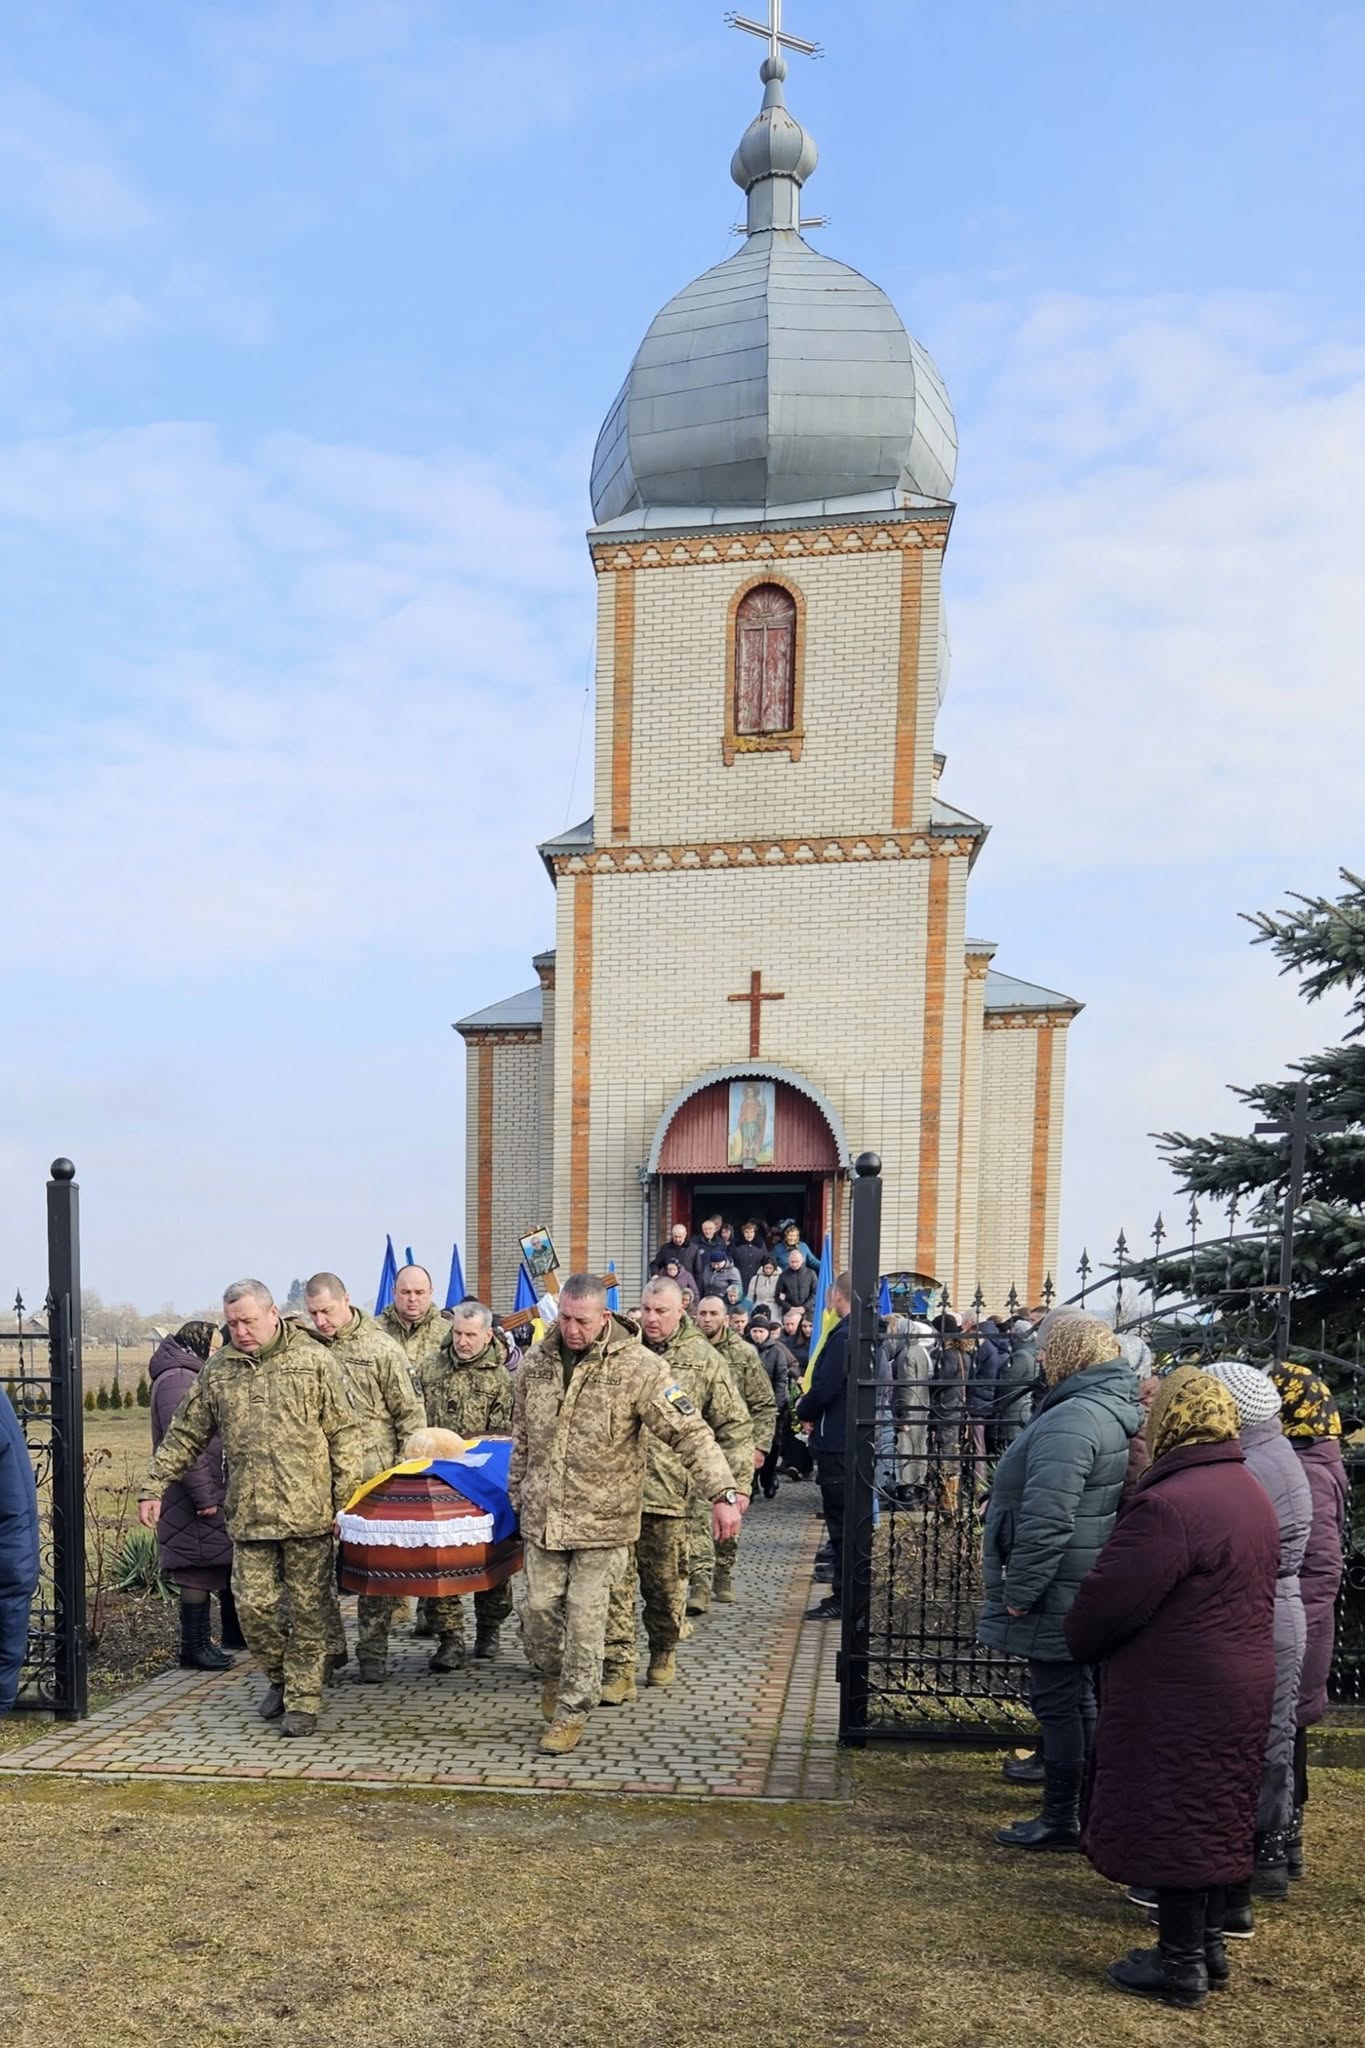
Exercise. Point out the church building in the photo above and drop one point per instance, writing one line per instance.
(763, 963)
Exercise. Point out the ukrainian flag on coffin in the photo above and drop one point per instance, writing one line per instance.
(433, 1527)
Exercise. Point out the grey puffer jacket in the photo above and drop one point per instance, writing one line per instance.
(1272, 1460)
(1053, 1502)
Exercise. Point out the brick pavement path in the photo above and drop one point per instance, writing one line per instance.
(753, 1712)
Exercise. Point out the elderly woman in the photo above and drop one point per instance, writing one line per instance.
(1053, 1501)
(193, 1545)
(1312, 1425)
(1180, 1609)
(1271, 1460)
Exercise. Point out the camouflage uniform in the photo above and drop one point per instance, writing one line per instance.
(756, 1392)
(659, 1563)
(294, 1452)
(377, 1381)
(577, 1481)
(474, 1398)
(417, 1339)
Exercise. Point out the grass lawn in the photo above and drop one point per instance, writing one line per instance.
(251, 1915)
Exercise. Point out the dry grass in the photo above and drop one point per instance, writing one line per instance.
(249, 1916)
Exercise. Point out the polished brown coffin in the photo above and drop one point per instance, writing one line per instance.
(437, 1569)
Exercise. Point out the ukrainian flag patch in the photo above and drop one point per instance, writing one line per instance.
(676, 1398)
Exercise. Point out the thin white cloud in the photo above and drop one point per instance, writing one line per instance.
(58, 170)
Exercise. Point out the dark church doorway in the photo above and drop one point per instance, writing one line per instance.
(739, 1197)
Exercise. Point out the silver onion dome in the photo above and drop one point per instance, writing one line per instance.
(779, 378)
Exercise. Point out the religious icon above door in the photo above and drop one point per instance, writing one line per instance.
(753, 1118)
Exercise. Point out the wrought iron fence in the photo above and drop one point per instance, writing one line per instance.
(42, 1373)
(931, 1416)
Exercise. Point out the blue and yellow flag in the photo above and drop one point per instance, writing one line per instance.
(823, 1317)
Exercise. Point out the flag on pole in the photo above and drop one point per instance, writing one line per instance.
(388, 1274)
(410, 1259)
(823, 1317)
(526, 1293)
(613, 1293)
(456, 1290)
(884, 1299)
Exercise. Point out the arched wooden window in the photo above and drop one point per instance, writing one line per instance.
(765, 661)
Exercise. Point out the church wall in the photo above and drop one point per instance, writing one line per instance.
(848, 950)
(474, 1229)
(546, 1112)
(1008, 1081)
(515, 1203)
(868, 686)
(967, 1222)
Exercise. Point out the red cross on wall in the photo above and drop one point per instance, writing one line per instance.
(756, 996)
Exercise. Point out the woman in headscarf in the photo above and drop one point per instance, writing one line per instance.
(1312, 1425)
(192, 1541)
(1053, 1500)
(1180, 1609)
(1271, 1460)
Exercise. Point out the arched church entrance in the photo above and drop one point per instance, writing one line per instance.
(751, 1141)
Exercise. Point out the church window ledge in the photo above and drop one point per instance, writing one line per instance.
(789, 743)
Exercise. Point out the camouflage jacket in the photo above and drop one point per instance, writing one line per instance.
(417, 1341)
(294, 1448)
(473, 1397)
(704, 1377)
(755, 1387)
(377, 1380)
(578, 1457)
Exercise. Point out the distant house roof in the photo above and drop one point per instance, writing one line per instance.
(523, 1012)
(1003, 992)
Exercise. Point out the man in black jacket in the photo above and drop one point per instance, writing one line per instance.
(796, 1285)
(823, 1405)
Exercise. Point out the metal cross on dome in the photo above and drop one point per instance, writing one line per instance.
(773, 33)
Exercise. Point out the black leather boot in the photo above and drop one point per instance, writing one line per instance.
(197, 1650)
(231, 1630)
(1174, 1971)
(1215, 1955)
(1239, 1918)
(1270, 1879)
(1058, 1826)
(1023, 1770)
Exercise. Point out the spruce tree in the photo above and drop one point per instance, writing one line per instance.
(1321, 941)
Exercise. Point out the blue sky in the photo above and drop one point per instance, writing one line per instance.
(309, 314)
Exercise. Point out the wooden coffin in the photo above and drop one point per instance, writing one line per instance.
(414, 1535)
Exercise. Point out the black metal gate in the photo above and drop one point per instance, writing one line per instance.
(43, 1379)
(921, 1448)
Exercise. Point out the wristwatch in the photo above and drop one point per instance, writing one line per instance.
(730, 1498)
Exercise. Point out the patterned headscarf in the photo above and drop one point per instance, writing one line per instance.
(196, 1337)
(1307, 1404)
(1076, 1342)
(1191, 1407)
(1256, 1396)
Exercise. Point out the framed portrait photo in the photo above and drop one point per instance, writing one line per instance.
(538, 1250)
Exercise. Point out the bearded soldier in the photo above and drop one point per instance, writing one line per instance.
(295, 1451)
(376, 1380)
(466, 1387)
(711, 1565)
(659, 1562)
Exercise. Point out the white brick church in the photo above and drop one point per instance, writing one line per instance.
(762, 963)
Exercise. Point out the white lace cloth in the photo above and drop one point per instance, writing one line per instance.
(462, 1533)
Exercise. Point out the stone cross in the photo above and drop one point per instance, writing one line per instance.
(756, 996)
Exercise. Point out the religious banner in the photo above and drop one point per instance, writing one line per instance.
(753, 1118)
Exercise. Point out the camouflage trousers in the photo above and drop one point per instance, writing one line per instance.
(703, 1552)
(287, 1603)
(657, 1564)
(564, 1615)
(491, 1610)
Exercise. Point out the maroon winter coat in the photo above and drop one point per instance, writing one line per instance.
(1320, 1573)
(1180, 1607)
(195, 1550)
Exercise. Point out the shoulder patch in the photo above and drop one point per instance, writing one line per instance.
(676, 1398)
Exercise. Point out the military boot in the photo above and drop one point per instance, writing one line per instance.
(486, 1641)
(296, 1722)
(663, 1667)
(271, 1703)
(618, 1686)
(336, 1664)
(549, 1698)
(1058, 1826)
(449, 1654)
(724, 1588)
(372, 1670)
(562, 1735)
(698, 1597)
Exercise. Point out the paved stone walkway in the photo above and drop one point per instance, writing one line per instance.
(752, 1714)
